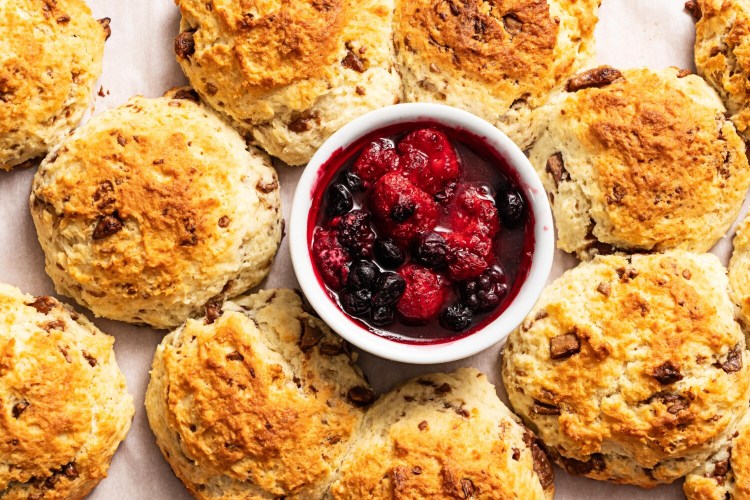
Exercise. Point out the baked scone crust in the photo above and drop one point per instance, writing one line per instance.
(50, 57)
(290, 74)
(153, 208)
(739, 272)
(444, 436)
(260, 402)
(500, 61)
(631, 369)
(722, 55)
(64, 407)
(647, 162)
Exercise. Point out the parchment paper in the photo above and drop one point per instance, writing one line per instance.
(139, 60)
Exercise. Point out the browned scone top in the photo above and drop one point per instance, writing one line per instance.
(289, 73)
(499, 60)
(52, 55)
(726, 475)
(154, 208)
(632, 369)
(257, 400)
(722, 54)
(444, 436)
(64, 407)
(641, 160)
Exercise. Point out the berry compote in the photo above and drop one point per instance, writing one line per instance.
(420, 232)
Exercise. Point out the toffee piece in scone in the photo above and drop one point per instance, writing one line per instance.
(499, 60)
(256, 400)
(444, 436)
(154, 209)
(51, 57)
(726, 475)
(289, 74)
(640, 160)
(722, 54)
(64, 407)
(631, 369)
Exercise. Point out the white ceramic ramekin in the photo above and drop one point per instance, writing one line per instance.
(491, 333)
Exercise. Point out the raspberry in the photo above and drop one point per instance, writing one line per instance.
(402, 210)
(424, 295)
(377, 159)
(331, 258)
(355, 233)
(429, 160)
(469, 254)
(474, 211)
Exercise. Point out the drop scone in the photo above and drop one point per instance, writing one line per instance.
(64, 407)
(640, 160)
(50, 57)
(739, 272)
(444, 436)
(256, 400)
(726, 475)
(722, 54)
(289, 74)
(632, 369)
(500, 60)
(154, 209)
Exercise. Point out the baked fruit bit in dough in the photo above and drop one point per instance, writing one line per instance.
(640, 160)
(289, 73)
(632, 369)
(257, 400)
(154, 209)
(726, 475)
(444, 436)
(64, 407)
(722, 54)
(50, 57)
(499, 60)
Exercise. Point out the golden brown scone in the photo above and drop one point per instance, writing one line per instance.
(632, 369)
(726, 475)
(499, 60)
(64, 407)
(444, 436)
(50, 57)
(153, 209)
(289, 74)
(641, 160)
(722, 55)
(259, 401)
(739, 272)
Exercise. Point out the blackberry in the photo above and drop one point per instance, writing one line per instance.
(339, 200)
(511, 207)
(382, 315)
(485, 292)
(388, 254)
(388, 289)
(457, 317)
(355, 302)
(363, 274)
(431, 250)
(355, 233)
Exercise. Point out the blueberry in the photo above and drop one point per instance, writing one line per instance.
(353, 182)
(431, 250)
(402, 211)
(363, 274)
(485, 292)
(388, 289)
(388, 254)
(511, 206)
(355, 302)
(457, 317)
(339, 200)
(382, 315)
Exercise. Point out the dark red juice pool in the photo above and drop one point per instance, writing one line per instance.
(453, 209)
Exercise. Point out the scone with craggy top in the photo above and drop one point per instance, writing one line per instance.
(289, 74)
(739, 272)
(154, 209)
(722, 54)
(50, 57)
(632, 369)
(726, 475)
(64, 407)
(256, 400)
(499, 60)
(640, 160)
(444, 436)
